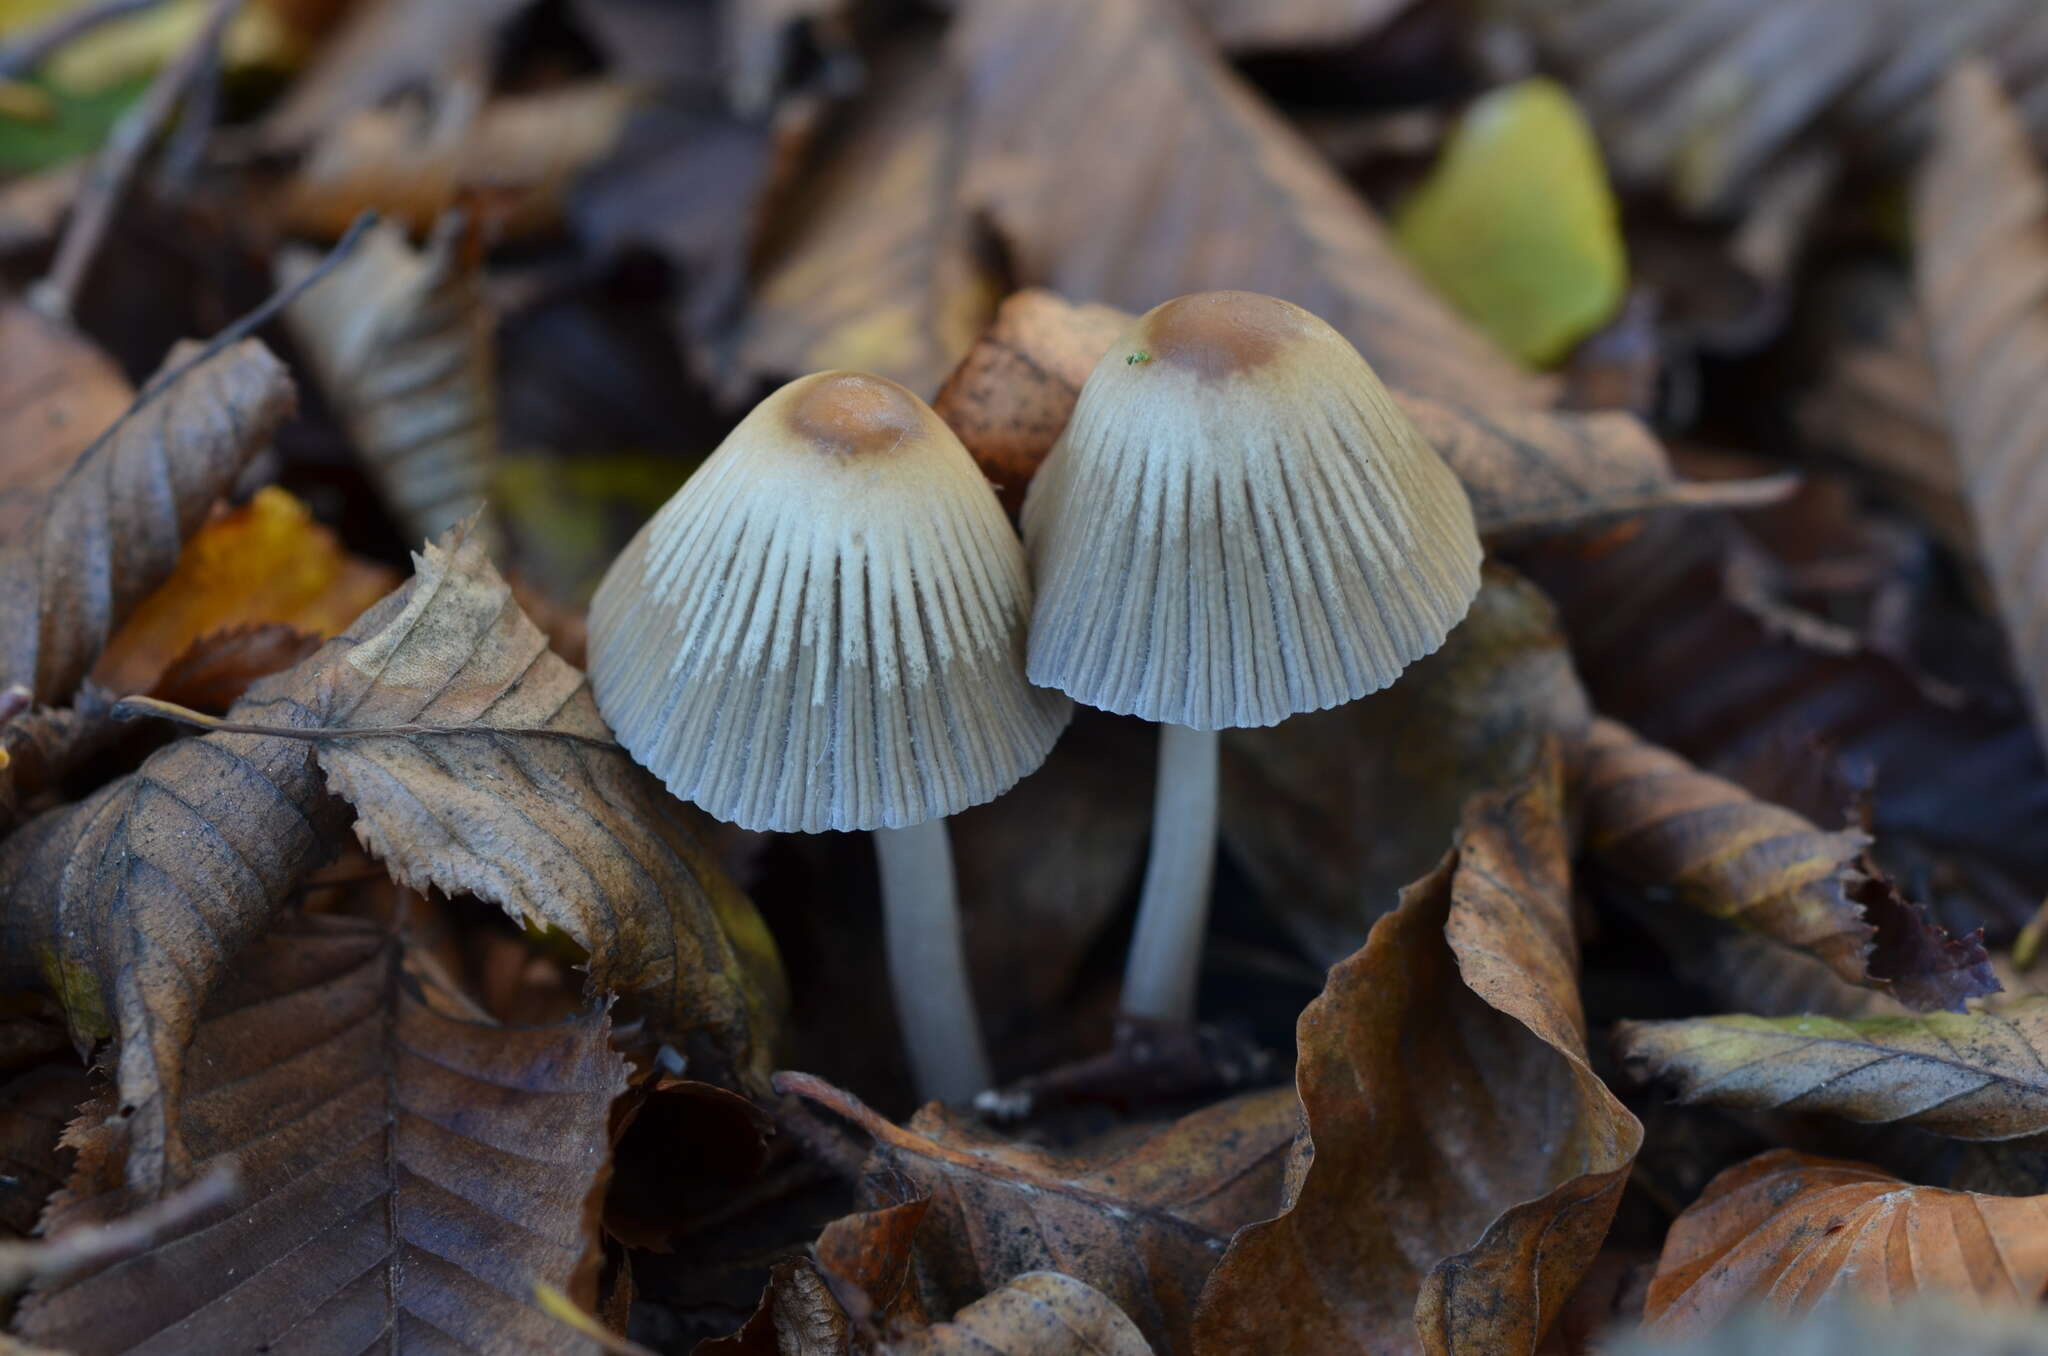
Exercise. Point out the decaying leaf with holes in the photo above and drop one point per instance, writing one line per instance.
(1788, 1231)
(405, 1176)
(106, 535)
(402, 342)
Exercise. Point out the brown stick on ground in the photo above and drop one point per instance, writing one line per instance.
(112, 171)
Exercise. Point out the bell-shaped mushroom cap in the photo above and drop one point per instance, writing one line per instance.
(824, 628)
(1238, 524)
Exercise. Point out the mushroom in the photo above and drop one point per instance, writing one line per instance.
(1236, 525)
(824, 629)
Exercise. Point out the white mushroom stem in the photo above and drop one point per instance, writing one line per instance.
(927, 963)
(1173, 910)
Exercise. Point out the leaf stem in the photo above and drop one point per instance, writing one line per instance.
(129, 708)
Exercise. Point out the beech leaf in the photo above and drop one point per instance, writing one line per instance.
(110, 531)
(1040, 1313)
(1429, 1217)
(406, 1176)
(1143, 1223)
(58, 392)
(1789, 1230)
(1981, 1075)
(1980, 213)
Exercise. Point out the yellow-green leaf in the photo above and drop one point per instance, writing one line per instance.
(1517, 224)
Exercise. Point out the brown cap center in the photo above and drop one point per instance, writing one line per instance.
(1220, 334)
(846, 414)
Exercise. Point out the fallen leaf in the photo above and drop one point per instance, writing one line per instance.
(214, 672)
(1980, 209)
(58, 392)
(873, 1251)
(515, 161)
(1330, 813)
(110, 532)
(1516, 223)
(1122, 162)
(1709, 95)
(265, 563)
(1296, 25)
(406, 1176)
(884, 269)
(1981, 1075)
(34, 1109)
(1429, 1217)
(402, 342)
(1040, 1313)
(1912, 1328)
(1527, 471)
(797, 1316)
(1789, 1230)
(1143, 1222)
(476, 762)
(43, 745)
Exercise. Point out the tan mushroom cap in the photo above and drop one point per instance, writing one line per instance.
(824, 628)
(1238, 524)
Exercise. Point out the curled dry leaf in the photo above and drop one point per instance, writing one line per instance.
(58, 392)
(1332, 812)
(1981, 222)
(1657, 820)
(402, 341)
(515, 160)
(41, 746)
(1143, 1223)
(1981, 1075)
(34, 1109)
(1526, 470)
(1429, 1217)
(110, 532)
(263, 563)
(797, 1316)
(1040, 1313)
(476, 762)
(1789, 1230)
(1707, 95)
(1123, 162)
(405, 1176)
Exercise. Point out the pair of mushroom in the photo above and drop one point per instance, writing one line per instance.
(826, 627)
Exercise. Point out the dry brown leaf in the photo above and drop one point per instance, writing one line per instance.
(1525, 470)
(34, 1109)
(1143, 1222)
(1788, 1230)
(1040, 1313)
(58, 392)
(130, 904)
(110, 531)
(477, 763)
(515, 161)
(405, 1176)
(267, 561)
(1657, 820)
(1295, 25)
(402, 342)
(1981, 1075)
(1981, 225)
(797, 1316)
(872, 1251)
(1430, 1217)
(1332, 812)
(40, 747)
(1123, 162)
(1707, 95)
(882, 269)
(214, 672)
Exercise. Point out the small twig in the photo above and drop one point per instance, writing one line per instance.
(31, 51)
(24, 1262)
(130, 707)
(112, 171)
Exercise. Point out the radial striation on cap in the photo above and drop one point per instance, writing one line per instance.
(824, 628)
(1238, 524)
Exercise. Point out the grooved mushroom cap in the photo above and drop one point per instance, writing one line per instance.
(824, 628)
(1238, 524)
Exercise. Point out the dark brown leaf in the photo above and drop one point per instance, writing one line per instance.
(797, 1317)
(109, 533)
(406, 1176)
(1430, 1218)
(40, 747)
(1789, 1230)
(34, 1109)
(58, 392)
(218, 668)
(1040, 1313)
(1143, 1223)
(1981, 225)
